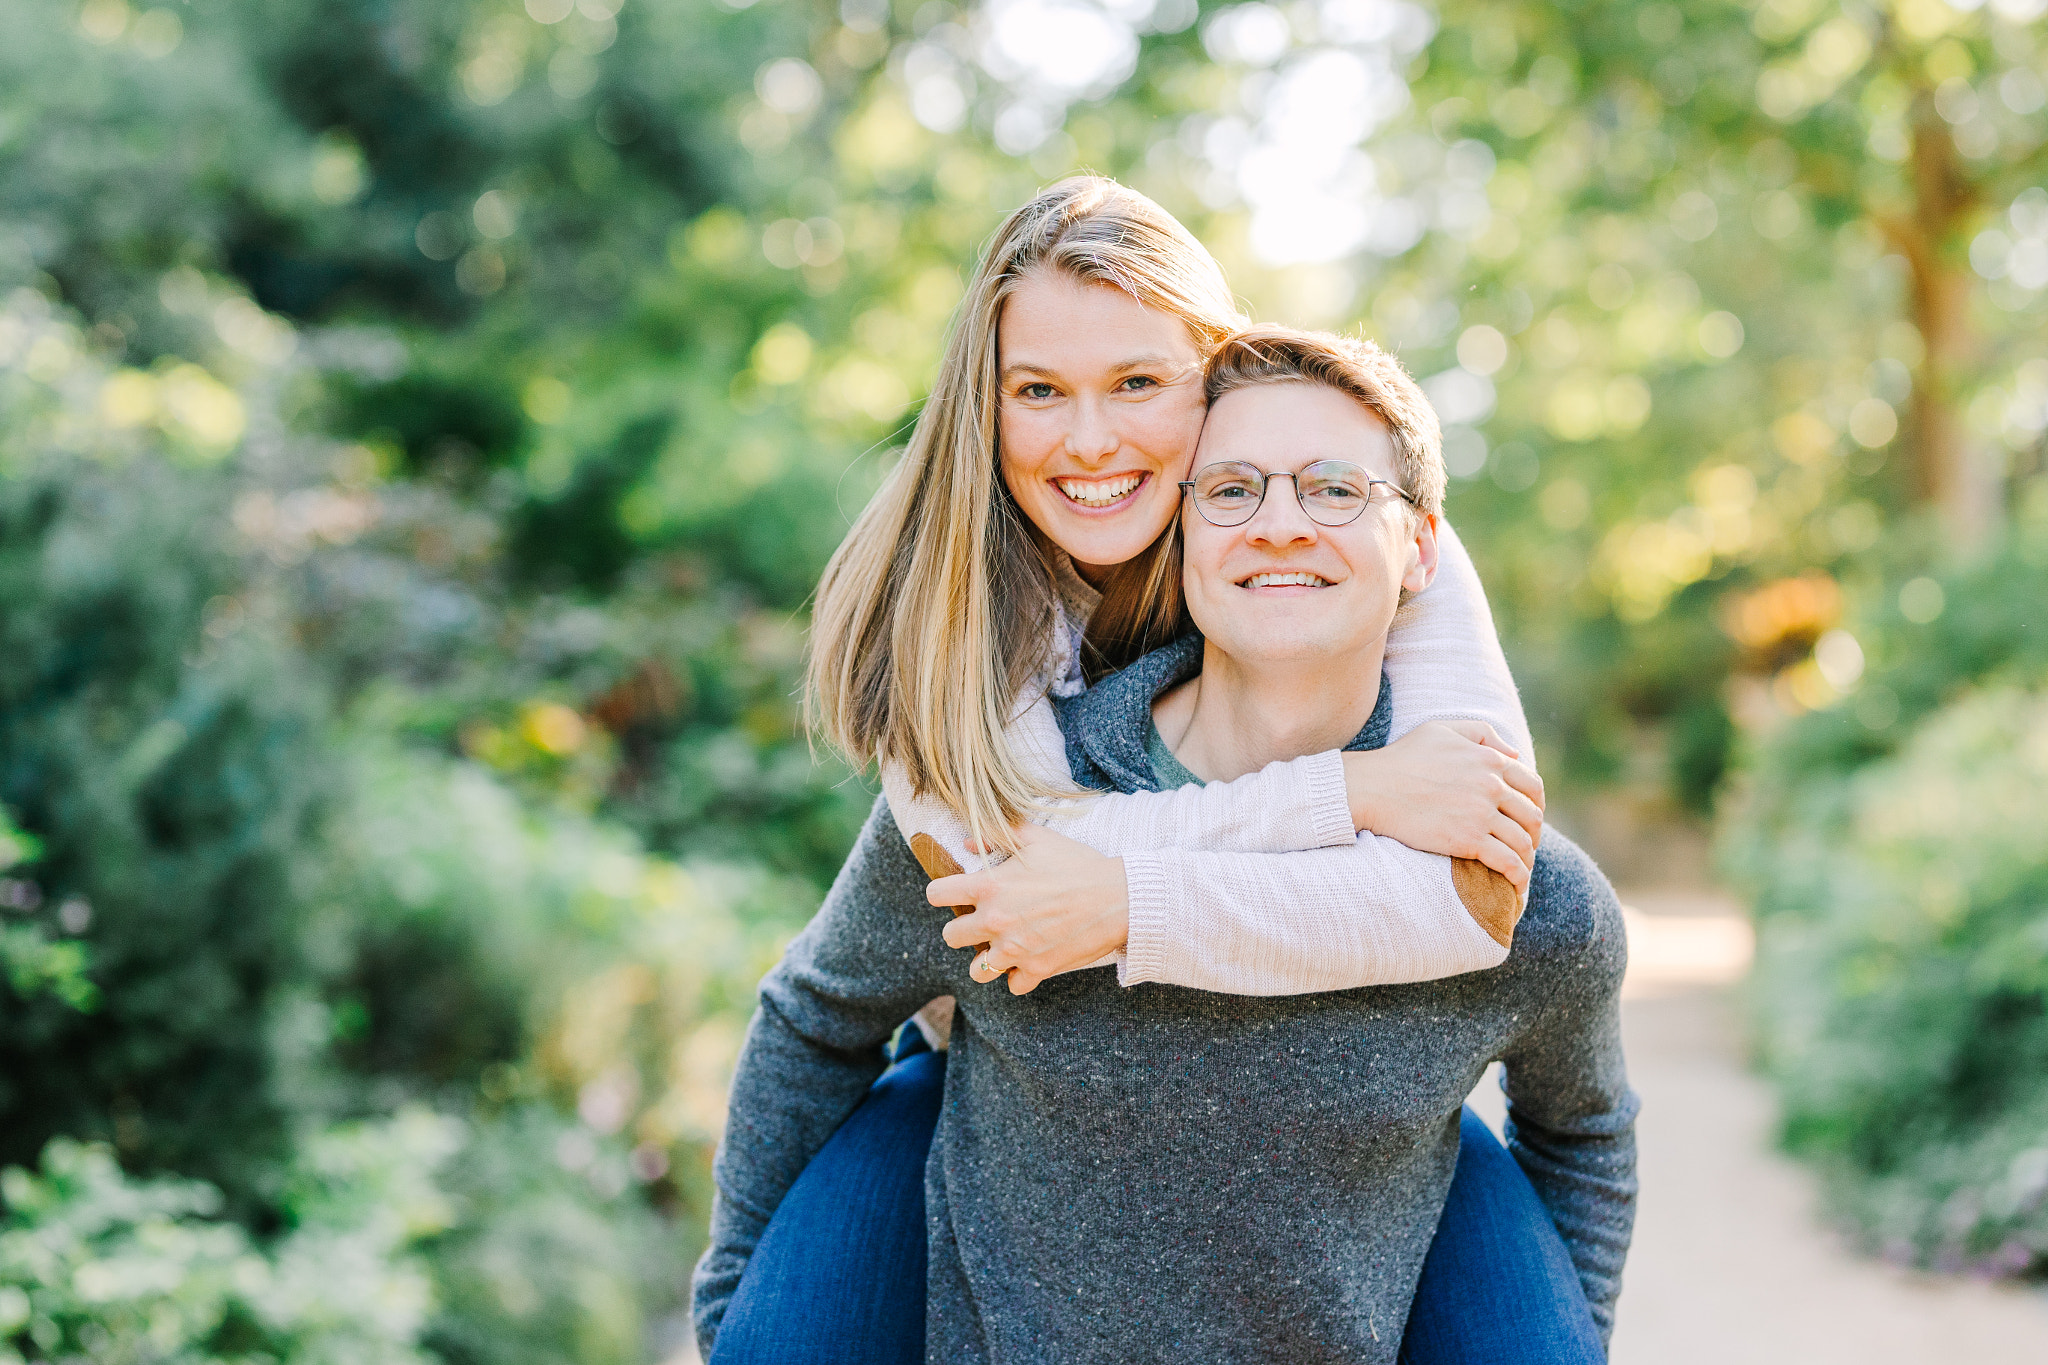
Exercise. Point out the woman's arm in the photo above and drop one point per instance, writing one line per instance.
(1224, 919)
(1444, 657)
(1373, 913)
(1302, 803)
(870, 956)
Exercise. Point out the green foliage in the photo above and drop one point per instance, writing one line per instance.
(30, 959)
(172, 778)
(96, 1265)
(1893, 849)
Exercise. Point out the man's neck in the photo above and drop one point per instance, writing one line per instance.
(1234, 718)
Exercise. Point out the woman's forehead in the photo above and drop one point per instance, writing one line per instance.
(1056, 322)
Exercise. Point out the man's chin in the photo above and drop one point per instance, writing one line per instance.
(1298, 643)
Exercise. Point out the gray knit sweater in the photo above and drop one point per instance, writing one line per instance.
(1156, 1173)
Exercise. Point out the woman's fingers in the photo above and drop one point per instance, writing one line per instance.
(1023, 982)
(1523, 812)
(964, 931)
(1479, 732)
(1524, 779)
(965, 888)
(1505, 861)
(1515, 837)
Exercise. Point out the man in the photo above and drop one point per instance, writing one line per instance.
(1157, 1173)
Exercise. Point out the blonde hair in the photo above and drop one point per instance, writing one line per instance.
(937, 608)
(1355, 368)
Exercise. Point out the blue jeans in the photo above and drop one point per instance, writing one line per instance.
(839, 1276)
(1497, 1285)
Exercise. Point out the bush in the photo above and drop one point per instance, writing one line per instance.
(96, 1265)
(1893, 848)
(173, 776)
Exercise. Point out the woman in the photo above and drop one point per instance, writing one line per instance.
(1018, 548)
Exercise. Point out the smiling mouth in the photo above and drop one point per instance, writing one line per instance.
(1285, 580)
(1100, 492)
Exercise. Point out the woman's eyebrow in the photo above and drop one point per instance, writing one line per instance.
(1137, 362)
(1025, 367)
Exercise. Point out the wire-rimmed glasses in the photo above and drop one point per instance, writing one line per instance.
(1331, 492)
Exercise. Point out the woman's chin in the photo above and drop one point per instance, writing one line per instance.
(1096, 542)
(1097, 554)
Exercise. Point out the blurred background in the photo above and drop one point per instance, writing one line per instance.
(421, 426)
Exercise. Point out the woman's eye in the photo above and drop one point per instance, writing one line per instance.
(1035, 391)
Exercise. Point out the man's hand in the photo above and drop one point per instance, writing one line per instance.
(1452, 787)
(1056, 905)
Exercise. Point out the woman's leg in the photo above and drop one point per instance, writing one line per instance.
(1498, 1287)
(839, 1274)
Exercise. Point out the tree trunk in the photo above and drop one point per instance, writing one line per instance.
(1949, 472)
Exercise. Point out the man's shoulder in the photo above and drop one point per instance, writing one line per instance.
(1573, 920)
(882, 853)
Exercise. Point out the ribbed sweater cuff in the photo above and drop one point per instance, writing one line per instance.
(1329, 807)
(1145, 949)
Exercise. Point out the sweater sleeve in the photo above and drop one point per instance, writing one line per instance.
(1374, 912)
(872, 954)
(1444, 657)
(1571, 1114)
(1296, 804)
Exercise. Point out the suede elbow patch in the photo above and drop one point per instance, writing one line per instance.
(1489, 898)
(931, 855)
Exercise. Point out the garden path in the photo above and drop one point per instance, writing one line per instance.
(1730, 1261)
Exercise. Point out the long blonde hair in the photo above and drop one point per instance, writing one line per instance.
(937, 608)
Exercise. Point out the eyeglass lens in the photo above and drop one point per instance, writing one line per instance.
(1332, 492)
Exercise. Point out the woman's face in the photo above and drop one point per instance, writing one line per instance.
(1099, 404)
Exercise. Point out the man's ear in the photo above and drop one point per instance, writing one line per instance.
(1422, 555)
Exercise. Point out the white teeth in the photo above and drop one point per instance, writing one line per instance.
(1286, 580)
(1099, 492)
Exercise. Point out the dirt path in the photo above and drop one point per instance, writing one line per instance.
(1730, 1263)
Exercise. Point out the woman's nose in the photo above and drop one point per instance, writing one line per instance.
(1092, 435)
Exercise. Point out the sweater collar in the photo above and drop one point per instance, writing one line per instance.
(1109, 721)
(1076, 593)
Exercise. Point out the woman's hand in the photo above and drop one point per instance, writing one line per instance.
(1451, 787)
(1055, 905)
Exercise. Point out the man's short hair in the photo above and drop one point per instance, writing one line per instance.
(1355, 368)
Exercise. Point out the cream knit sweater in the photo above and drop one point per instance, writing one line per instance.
(1260, 886)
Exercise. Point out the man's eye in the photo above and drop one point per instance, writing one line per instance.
(1138, 383)
(1231, 492)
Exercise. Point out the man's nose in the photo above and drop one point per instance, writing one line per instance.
(1092, 435)
(1280, 519)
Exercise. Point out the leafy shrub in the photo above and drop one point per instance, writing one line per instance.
(173, 776)
(96, 1265)
(30, 959)
(1893, 848)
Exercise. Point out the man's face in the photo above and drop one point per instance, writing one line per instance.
(1355, 573)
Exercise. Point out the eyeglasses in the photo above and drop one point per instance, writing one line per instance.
(1331, 492)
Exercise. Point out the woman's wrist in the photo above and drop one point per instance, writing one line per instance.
(1364, 789)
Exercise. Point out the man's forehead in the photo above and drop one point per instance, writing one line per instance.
(1286, 424)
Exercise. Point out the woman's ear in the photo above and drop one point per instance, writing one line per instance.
(1422, 554)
